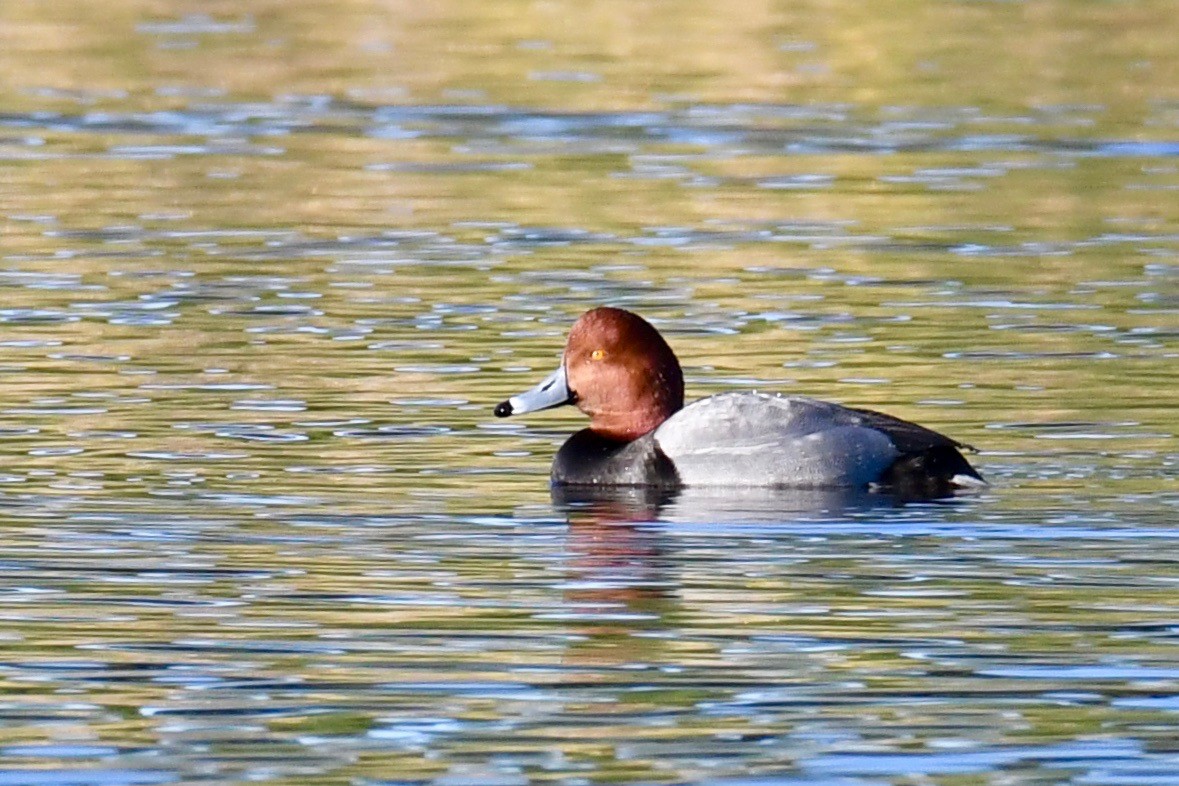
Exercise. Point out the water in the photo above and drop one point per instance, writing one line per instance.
(264, 274)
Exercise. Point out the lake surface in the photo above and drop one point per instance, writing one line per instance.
(266, 268)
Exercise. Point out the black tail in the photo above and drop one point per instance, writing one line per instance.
(927, 474)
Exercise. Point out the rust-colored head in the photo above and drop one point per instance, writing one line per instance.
(617, 369)
(622, 373)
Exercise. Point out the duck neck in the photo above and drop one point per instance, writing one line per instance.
(629, 425)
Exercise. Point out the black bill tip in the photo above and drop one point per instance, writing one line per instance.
(503, 409)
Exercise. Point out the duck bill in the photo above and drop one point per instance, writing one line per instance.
(553, 391)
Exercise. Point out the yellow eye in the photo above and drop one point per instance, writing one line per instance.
(598, 354)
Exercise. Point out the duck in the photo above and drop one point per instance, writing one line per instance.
(617, 369)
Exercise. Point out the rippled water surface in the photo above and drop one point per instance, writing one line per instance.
(266, 268)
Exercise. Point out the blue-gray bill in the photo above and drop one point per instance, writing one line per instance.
(553, 391)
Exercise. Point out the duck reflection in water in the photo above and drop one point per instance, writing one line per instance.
(624, 588)
(621, 587)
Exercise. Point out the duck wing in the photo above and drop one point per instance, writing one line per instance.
(756, 439)
(906, 435)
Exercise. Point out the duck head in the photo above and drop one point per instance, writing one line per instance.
(617, 369)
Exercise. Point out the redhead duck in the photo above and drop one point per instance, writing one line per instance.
(618, 370)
